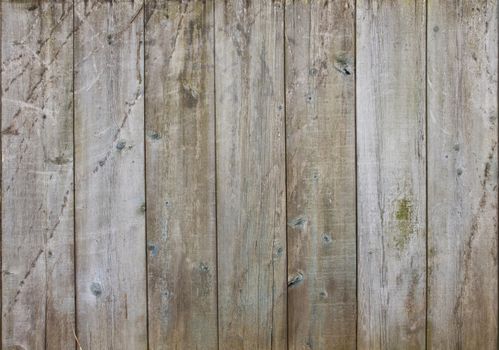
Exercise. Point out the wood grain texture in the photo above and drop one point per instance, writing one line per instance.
(180, 172)
(110, 203)
(391, 174)
(37, 175)
(320, 128)
(251, 189)
(462, 174)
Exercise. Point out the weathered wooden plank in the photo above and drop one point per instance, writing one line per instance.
(391, 174)
(180, 174)
(320, 127)
(462, 174)
(250, 140)
(109, 151)
(37, 175)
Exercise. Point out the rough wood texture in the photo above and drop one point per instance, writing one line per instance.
(37, 176)
(181, 175)
(110, 203)
(251, 193)
(462, 174)
(281, 148)
(320, 127)
(391, 174)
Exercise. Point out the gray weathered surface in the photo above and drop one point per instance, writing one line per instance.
(251, 193)
(37, 176)
(462, 174)
(110, 203)
(180, 172)
(320, 127)
(293, 197)
(391, 174)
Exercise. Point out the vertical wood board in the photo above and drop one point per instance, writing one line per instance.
(181, 222)
(462, 174)
(37, 175)
(110, 195)
(391, 192)
(251, 193)
(320, 153)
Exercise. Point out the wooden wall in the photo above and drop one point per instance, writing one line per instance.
(285, 174)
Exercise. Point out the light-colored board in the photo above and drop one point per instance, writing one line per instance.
(37, 175)
(462, 174)
(391, 191)
(250, 143)
(109, 155)
(180, 140)
(320, 136)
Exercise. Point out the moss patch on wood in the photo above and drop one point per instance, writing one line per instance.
(404, 223)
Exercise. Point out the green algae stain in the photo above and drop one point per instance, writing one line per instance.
(404, 223)
(404, 210)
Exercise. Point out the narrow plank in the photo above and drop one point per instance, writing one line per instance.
(251, 222)
(180, 172)
(110, 195)
(320, 136)
(462, 174)
(37, 175)
(391, 174)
